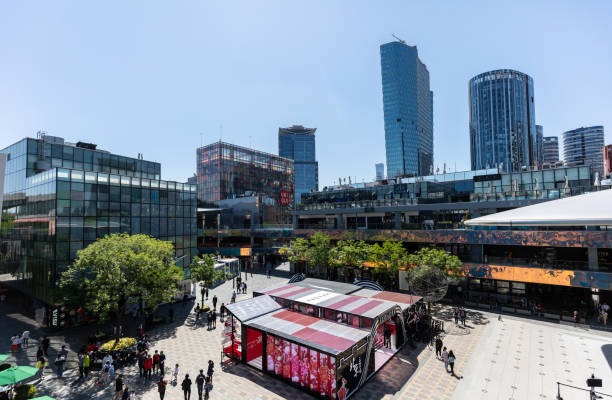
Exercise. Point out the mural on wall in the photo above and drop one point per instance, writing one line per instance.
(600, 239)
(350, 370)
(560, 277)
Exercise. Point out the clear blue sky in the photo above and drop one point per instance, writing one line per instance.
(151, 77)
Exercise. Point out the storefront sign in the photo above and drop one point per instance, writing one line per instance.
(285, 198)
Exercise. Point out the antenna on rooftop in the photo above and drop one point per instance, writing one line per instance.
(398, 39)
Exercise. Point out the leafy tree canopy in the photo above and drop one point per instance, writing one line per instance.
(349, 253)
(203, 270)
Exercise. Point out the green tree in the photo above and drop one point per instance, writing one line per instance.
(118, 269)
(318, 252)
(349, 253)
(297, 251)
(203, 270)
(429, 271)
(388, 258)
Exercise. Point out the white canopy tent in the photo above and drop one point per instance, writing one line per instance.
(594, 209)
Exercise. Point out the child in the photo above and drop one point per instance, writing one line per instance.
(175, 375)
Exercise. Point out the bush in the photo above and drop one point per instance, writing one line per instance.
(25, 392)
(122, 344)
(205, 309)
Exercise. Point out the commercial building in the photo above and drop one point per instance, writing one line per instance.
(502, 121)
(539, 145)
(298, 144)
(550, 150)
(583, 146)
(607, 157)
(227, 171)
(408, 111)
(59, 197)
(380, 171)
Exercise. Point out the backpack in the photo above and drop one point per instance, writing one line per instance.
(200, 380)
(451, 359)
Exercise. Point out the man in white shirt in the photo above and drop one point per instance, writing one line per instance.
(25, 338)
(445, 358)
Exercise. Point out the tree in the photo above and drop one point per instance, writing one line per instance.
(203, 270)
(349, 253)
(429, 271)
(297, 250)
(318, 252)
(388, 258)
(118, 269)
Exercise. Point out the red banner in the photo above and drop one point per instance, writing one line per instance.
(285, 198)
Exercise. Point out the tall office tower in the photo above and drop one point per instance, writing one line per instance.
(408, 110)
(550, 149)
(380, 171)
(583, 146)
(539, 144)
(298, 144)
(607, 157)
(502, 121)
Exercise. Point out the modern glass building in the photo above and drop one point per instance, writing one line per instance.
(59, 197)
(502, 121)
(408, 110)
(583, 146)
(298, 144)
(226, 171)
(380, 171)
(550, 149)
(539, 144)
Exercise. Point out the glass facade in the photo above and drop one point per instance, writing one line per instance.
(584, 146)
(550, 149)
(48, 216)
(408, 110)
(539, 144)
(502, 121)
(298, 144)
(226, 171)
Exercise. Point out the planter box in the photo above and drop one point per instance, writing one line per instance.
(523, 311)
(552, 316)
(508, 309)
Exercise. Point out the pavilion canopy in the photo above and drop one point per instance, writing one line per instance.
(591, 209)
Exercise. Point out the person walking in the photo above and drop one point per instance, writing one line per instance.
(148, 366)
(244, 287)
(15, 339)
(86, 364)
(451, 362)
(64, 351)
(200, 380)
(45, 343)
(214, 300)
(445, 359)
(387, 337)
(40, 366)
(222, 311)
(162, 362)
(155, 362)
(207, 388)
(81, 360)
(233, 296)
(25, 338)
(213, 314)
(141, 360)
(175, 375)
(206, 294)
(604, 316)
(186, 386)
(161, 387)
(438, 346)
(118, 387)
(456, 315)
(211, 370)
(463, 315)
(208, 320)
(59, 364)
(197, 311)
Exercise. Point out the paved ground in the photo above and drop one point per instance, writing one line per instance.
(413, 374)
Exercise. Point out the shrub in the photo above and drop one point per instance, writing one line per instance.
(122, 344)
(205, 309)
(25, 392)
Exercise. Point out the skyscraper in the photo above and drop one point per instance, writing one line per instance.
(380, 171)
(607, 157)
(502, 120)
(550, 149)
(583, 146)
(298, 144)
(539, 144)
(408, 110)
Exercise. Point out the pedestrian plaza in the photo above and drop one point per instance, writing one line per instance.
(514, 358)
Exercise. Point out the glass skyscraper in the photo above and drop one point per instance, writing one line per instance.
(502, 121)
(298, 144)
(550, 149)
(539, 144)
(59, 197)
(584, 146)
(408, 110)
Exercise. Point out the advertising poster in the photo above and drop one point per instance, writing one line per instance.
(323, 375)
(303, 358)
(295, 363)
(270, 348)
(253, 344)
(313, 368)
(278, 356)
(332, 378)
(350, 372)
(286, 359)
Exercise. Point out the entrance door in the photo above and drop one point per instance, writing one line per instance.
(254, 347)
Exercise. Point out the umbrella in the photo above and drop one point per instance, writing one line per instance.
(3, 357)
(16, 374)
(43, 398)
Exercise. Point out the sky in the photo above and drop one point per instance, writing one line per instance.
(162, 78)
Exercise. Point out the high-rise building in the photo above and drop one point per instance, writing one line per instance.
(59, 197)
(298, 144)
(550, 149)
(226, 171)
(380, 171)
(408, 110)
(539, 144)
(583, 146)
(607, 156)
(502, 121)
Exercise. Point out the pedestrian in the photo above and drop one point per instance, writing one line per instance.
(59, 364)
(387, 336)
(438, 346)
(605, 317)
(40, 365)
(222, 311)
(206, 294)
(81, 360)
(214, 300)
(64, 351)
(15, 339)
(141, 360)
(575, 316)
(25, 338)
(200, 380)
(118, 387)
(175, 375)
(244, 286)
(161, 387)
(155, 362)
(451, 361)
(445, 359)
(162, 362)
(211, 370)
(463, 314)
(45, 345)
(209, 320)
(214, 319)
(207, 388)
(456, 315)
(238, 283)
(148, 366)
(86, 364)
(111, 371)
(197, 311)
(268, 272)
(186, 386)
(126, 394)
(39, 352)
(233, 296)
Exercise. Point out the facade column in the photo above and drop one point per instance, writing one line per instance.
(339, 221)
(593, 259)
(398, 220)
